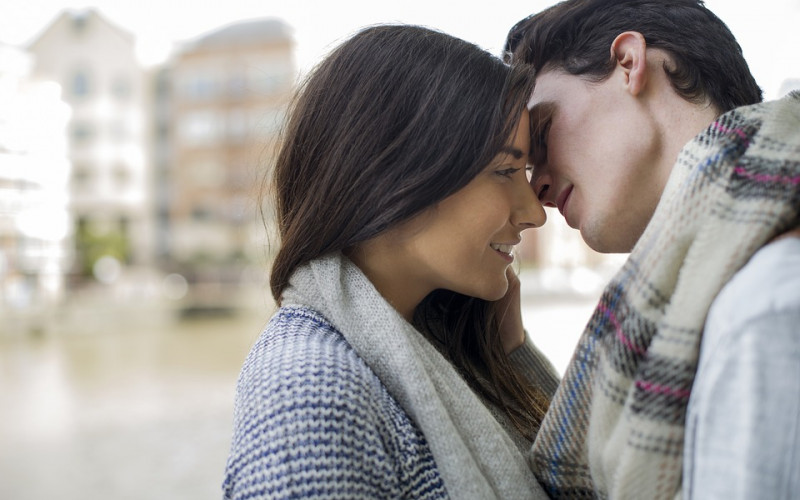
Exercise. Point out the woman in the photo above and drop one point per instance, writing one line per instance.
(401, 190)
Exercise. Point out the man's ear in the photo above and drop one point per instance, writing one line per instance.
(629, 50)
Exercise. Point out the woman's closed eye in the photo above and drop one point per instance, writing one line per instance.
(507, 171)
(508, 162)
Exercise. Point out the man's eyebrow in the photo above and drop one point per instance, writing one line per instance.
(541, 113)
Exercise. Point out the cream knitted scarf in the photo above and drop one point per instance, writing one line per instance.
(615, 428)
(475, 456)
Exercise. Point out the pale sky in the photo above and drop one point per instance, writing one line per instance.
(767, 30)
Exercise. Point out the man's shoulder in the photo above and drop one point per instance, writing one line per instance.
(768, 283)
(790, 101)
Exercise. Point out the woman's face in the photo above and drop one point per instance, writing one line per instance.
(464, 243)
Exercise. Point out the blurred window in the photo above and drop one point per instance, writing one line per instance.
(238, 127)
(79, 84)
(121, 88)
(201, 213)
(207, 173)
(122, 176)
(238, 208)
(162, 84)
(269, 79)
(119, 130)
(241, 176)
(162, 131)
(199, 87)
(79, 22)
(268, 121)
(81, 132)
(82, 177)
(199, 127)
(237, 86)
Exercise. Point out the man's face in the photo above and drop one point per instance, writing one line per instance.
(595, 151)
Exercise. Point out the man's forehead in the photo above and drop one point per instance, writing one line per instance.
(545, 88)
(541, 111)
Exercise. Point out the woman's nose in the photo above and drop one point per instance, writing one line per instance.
(528, 210)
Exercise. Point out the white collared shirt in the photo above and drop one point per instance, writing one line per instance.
(743, 420)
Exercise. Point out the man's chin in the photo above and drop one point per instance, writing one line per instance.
(606, 241)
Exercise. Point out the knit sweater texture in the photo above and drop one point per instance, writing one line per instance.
(313, 421)
(342, 398)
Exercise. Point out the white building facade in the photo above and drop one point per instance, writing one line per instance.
(35, 230)
(101, 78)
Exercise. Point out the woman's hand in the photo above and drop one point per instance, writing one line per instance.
(512, 335)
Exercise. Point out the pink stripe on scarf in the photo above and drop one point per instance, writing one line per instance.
(620, 336)
(767, 178)
(736, 131)
(662, 389)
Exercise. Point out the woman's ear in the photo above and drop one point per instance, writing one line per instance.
(629, 51)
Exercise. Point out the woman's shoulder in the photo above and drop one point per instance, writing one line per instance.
(297, 328)
(311, 415)
(297, 344)
(303, 369)
(300, 321)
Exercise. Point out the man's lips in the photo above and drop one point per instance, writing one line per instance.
(563, 199)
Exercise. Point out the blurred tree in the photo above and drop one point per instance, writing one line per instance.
(91, 245)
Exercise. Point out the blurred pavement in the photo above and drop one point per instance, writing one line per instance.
(132, 403)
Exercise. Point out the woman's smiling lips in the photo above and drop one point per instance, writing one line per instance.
(505, 250)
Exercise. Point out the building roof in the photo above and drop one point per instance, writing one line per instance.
(248, 32)
(79, 18)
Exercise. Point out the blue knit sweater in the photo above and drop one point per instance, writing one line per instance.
(312, 420)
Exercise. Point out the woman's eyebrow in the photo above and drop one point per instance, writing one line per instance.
(515, 152)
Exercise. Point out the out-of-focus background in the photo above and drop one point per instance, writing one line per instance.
(133, 259)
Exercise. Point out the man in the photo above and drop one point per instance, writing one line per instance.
(650, 138)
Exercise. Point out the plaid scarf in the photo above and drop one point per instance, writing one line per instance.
(615, 428)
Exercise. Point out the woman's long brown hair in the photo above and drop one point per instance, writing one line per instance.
(393, 121)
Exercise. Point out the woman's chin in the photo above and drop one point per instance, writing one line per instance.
(495, 293)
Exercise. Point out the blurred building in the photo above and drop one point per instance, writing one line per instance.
(102, 80)
(161, 154)
(557, 245)
(168, 164)
(34, 173)
(227, 93)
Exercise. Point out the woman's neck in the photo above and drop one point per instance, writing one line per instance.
(397, 286)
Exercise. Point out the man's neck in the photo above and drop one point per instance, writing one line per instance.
(681, 122)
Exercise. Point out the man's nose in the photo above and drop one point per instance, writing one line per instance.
(542, 182)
